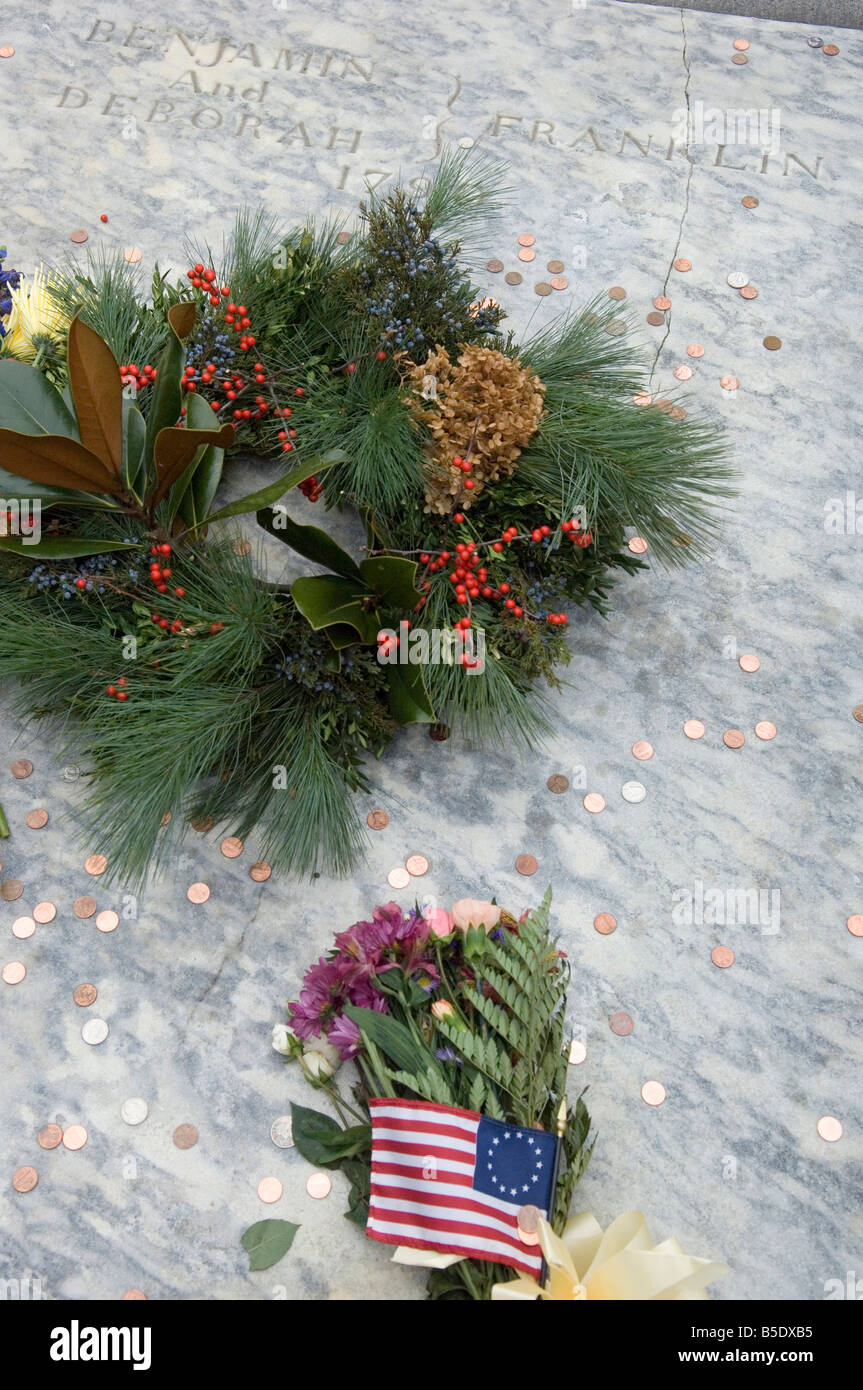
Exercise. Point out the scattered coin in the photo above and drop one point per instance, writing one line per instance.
(23, 927)
(242, 547)
(79, 236)
(526, 255)
(7, 51)
(135, 1295)
(319, 1185)
(11, 890)
(643, 398)
(13, 973)
(695, 350)
(815, 42)
(749, 292)
(653, 1093)
(621, 1024)
(36, 819)
(282, 1132)
(417, 865)
(605, 923)
(637, 544)
(494, 266)
(682, 264)
(270, 1190)
(765, 730)
(44, 912)
(542, 288)
(739, 59)
(749, 201)
(557, 783)
(772, 344)
(202, 825)
(512, 277)
(558, 282)
(260, 871)
(642, 750)
(84, 907)
(660, 302)
(723, 956)
(577, 1053)
(85, 995)
(749, 662)
(526, 864)
(398, 877)
(134, 1111)
(633, 792)
(133, 255)
(528, 1219)
(25, 1179)
(49, 1137)
(677, 412)
(665, 406)
(198, 892)
(75, 1137)
(737, 279)
(95, 1031)
(741, 45)
(855, 924)
(594, 803)
(615, 327)
(693, 728)
(185, 1136)
(96, 864)
(857, 712)
(617, 292)
(829, 1127)
(107, 920)
(729, 383)
(555, 267)
(733, 738)
(232, 847)
(830, 49)
(682, 373)
(527, 239)
(343, 238)
(655, 318)
(22, 767)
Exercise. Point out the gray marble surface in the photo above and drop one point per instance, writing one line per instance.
(581, 100)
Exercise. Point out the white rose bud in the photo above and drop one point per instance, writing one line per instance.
(282, 1039)
(316, 1066)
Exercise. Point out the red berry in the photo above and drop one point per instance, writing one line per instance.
(110, 690)
(504, 588)
(459, 517)
(469, 484)
(497, 547)
(103, 217)
(122, 695)
(381, 355)
(80, 583)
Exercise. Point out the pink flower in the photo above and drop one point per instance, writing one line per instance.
(439, 921)
(471, 912)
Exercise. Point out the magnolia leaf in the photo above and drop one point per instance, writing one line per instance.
(97, 394)
(134, 438)
(328, 598)
(29, 404)
(268, 1241)
(64, 547)
(14, 489)
(310, 542)
(167, 401)
(204, 479)
(409, 699)
(182, 317)
(391, 578)
(175, 449)
(56, 460)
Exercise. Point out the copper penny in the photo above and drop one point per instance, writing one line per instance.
(733, 738)
(855, 924)
(528, 1219)
(653, 1093)
(23, 927)
(260, 871)
(643, 398)
(682, 373)
(85, 995)
(637, 544)
(729, 383)
(343, 238)
(197, 892)
(664, 405)
(617, 292)
(319, 1185)
(22, 767)
(232, 847)
(25, 1179)
(78, 237)
(44, 912)
(526, 255)
(765, 730)
(185, 1136)
(133, 255)
(555, 267)
(749, 662)
(748, 292)
(526, 864)
(108, 920)
(857, 712)
(749, 201)
(642, 750)
(594, 803)
(739, 59)
(682, 264)
(577, 1053)
(513, 278)
(621, 1024)
(557, 783)
(741, 45)
(542, 288)
(96, 864)
(242, 547)
(615, 327)
(49, 1137)
(75, 1137)
(655, 318)
(558, 282)
(695, 350)
(13, 973)
(829, 1128)
(693, 728)
(136, 1295)
(202, 825)
(723, 956)
(417, 865)
(494, 266)
(831, 49)
(7, 51)
(398, 877)
(605, 924)
(166, 819)
(677, 412)
(36, 819)
(527, 239)
(270, 1190)
(11, 890)
(84, 907)
(660, 302)
(772, 344)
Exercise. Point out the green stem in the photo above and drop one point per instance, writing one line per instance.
(4, 825)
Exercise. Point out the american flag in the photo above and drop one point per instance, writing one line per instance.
(452, 1180)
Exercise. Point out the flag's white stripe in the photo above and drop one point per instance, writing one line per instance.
(428, 1187)
(394, 1205)
(442, 1165)
(434, 1141)
(494, 1249)
(426, 1117)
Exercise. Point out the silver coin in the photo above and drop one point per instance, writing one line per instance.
(737, 279)
(615, 327)
(95, 1031)
(134, 1111)
(633, 791)
(815, 42)
(282, 1132)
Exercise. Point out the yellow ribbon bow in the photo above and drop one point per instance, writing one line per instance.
(620, 1263)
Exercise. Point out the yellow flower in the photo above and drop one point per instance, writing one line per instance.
(34, 314)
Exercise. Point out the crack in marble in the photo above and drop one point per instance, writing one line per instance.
(686, 192)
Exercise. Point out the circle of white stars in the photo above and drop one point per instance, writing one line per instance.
(538, 1163)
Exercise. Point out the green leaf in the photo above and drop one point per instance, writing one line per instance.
(325, 599)
(266, 496)
(393, 1038)
(203, 482)
(267, 1242)
(29, 404)
(310, 542)
(15, 489)
(64, 547)
(391, 578)
(348, 1143)
(134, 436)
(97, 393)
(409, 701)
(311, 1131)
(176, 448)
(167, 400)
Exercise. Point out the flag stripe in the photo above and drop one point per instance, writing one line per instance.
(437, 1139)
(470, 1246)
(409, 1182)
(472, 1214)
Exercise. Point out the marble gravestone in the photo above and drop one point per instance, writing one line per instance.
(631, 139)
